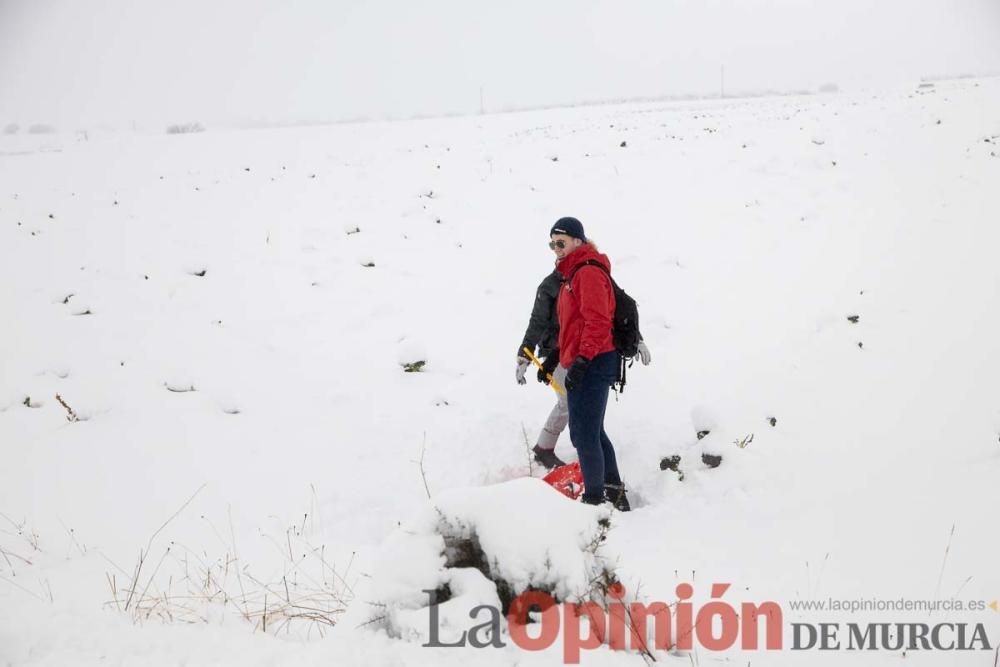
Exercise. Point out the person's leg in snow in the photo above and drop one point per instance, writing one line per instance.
(587, 405)
(555, 424)
(614, 492)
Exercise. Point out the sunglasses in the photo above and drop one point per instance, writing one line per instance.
(557, 244)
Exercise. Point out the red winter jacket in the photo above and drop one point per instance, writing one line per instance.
(586, 307)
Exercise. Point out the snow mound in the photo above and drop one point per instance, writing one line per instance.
(530, 536)
(483, 546)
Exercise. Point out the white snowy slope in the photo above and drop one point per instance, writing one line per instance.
(227, 315)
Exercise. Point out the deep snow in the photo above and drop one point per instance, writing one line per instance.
(748, 231)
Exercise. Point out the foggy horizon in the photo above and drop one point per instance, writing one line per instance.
(237, 63)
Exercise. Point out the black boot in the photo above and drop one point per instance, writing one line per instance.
(547, 457)
(615, 494)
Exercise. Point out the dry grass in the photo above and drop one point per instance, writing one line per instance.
(71, 415)
(188, 586)
(19, 539)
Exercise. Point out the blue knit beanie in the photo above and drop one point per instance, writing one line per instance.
(570, 227)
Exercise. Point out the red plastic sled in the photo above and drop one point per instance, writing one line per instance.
(567, 480)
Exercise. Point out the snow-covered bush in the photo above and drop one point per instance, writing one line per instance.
(11, 128)
(484, 547)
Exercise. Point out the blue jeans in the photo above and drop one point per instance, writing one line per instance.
(587, 404)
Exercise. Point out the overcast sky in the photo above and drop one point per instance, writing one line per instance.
(77, 62)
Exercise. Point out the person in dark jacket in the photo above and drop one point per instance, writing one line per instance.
(586, 308)
(543, 333)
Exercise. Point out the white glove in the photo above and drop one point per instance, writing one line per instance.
(522, 366)
(644, 356)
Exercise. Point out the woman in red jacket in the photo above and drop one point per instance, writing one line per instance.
(586, 309)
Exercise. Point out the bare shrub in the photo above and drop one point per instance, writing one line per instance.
(185, 128)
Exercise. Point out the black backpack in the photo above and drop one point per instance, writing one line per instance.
(625, 331)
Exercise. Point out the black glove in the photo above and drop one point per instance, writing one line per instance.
(521, 353)
(578, 369)
(548, 367)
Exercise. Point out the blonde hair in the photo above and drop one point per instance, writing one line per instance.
(591, 242)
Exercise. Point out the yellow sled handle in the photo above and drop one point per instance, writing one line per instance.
(552, 380)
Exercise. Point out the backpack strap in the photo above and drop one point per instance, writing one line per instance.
(619, 383)
(589, 262)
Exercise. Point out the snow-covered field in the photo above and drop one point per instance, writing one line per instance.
(227, 315)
